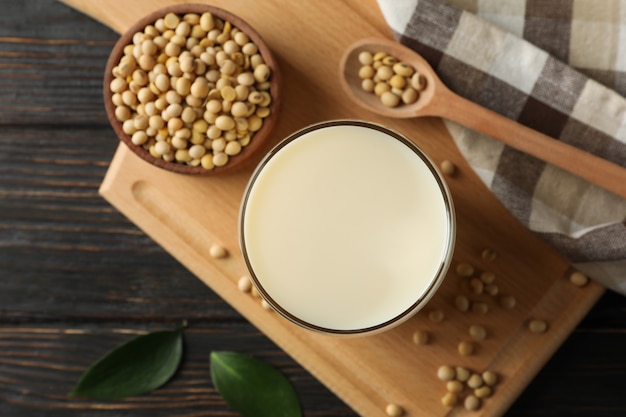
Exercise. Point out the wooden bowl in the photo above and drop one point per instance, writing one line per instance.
(259, 138)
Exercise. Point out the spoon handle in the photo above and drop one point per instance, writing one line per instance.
(594, 169)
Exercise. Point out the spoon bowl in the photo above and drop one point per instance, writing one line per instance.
(438, 100)
(351, 81)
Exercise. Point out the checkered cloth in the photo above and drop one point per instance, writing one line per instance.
(557, 66)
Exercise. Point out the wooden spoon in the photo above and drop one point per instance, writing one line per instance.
(438, 100)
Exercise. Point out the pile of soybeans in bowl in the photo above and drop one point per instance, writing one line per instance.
(192, 89)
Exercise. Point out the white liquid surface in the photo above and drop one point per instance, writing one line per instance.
(346, 228)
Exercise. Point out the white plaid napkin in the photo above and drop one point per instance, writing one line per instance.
(558, 66)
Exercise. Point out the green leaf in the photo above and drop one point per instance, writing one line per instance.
(133, 368)
(253, 387)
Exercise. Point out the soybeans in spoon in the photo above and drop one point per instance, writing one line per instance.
(395, 82)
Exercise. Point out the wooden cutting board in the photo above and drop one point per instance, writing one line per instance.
(186, 215)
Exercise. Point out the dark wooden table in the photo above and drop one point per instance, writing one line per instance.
(77, 278)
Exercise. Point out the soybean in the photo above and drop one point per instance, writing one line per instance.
(450, 399)
(436, 315)
(447, 167)
(488, 277)
(472, 403)
(462, 374)
(477, 332)
(394, 410)
(489, 255)
(480, 307)
(217, 251)
(462, 303)
(490, 378)
(446, 373)
(421, 337)
(475, 381)
(244, 284)
(454, 386)
(466, 348)
(465, 270)
(482, 392)
(508, 302)
(477, 285)
(578, 278)
(537, 326)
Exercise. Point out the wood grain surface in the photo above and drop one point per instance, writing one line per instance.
(76, 277)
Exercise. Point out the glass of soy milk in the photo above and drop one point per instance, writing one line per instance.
(347, 228)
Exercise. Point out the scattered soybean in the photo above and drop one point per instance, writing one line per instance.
(578, 278)
(394, 410)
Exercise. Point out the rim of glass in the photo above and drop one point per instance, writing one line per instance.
(441, 270)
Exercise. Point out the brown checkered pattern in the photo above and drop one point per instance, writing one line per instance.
(558, 66)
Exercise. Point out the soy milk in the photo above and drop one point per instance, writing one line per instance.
(346, 228)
